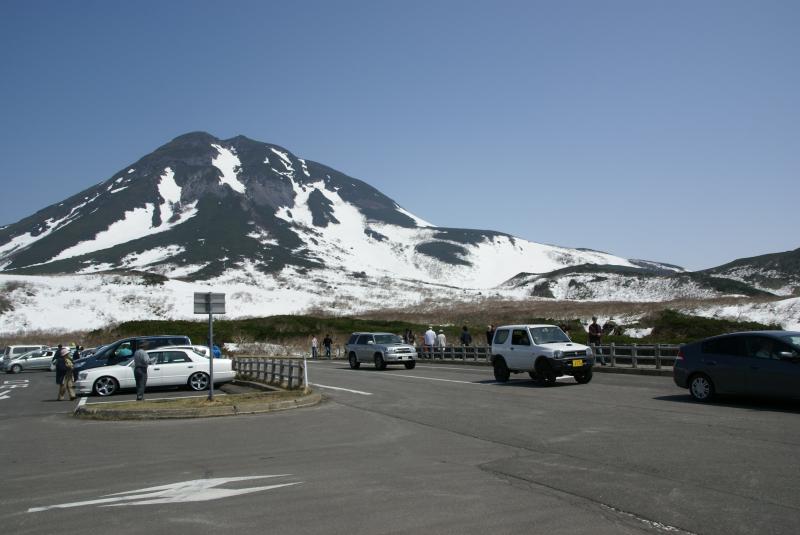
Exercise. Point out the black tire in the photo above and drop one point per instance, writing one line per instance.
(105, 386)
(501, 372)
(16, 368)
(583, 377)
(411, 365)
(545, 373)
(380, 364)
(354, 364)
(198, 381)
(701, 387)
(533, 376)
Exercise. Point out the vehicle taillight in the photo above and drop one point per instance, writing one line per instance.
(679, 356)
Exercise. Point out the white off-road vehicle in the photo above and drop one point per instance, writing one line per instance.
(544, 351)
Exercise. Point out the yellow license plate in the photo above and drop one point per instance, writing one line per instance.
(577, 363)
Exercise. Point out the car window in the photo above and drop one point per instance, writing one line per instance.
(353, 338)
(500, 336)
(177, 356)
(548, 335)
(388, 339)
(519, 337)
(793, 340)
(180, 341)
(727, 345)
(764, 347)
(124, 350)
(364, 339)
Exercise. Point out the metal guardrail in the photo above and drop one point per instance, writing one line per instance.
(285, 373)
(629, 355)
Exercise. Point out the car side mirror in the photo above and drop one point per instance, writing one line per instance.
(370, 341)
(789, 355)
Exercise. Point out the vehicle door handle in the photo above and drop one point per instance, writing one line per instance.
(190, 366)
(511, 349)
(710, 362)
(156, 369)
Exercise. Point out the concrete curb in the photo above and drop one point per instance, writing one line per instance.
(247, 407)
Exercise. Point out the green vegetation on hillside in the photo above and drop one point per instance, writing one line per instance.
(668, 326)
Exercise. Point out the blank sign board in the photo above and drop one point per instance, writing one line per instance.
(209, 303)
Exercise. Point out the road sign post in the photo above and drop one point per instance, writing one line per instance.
(210, 303)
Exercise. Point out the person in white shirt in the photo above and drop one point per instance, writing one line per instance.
(441, 340)
(429, 340)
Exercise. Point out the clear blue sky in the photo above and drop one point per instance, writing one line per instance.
(664, 130)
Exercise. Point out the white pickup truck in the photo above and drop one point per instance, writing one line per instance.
(544, 351)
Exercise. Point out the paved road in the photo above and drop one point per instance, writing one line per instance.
(437, 449)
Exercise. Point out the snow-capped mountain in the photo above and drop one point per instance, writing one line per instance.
(200, 207)
(281, 234)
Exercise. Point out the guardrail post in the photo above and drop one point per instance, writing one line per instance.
(634, 353)
(658, 356)
(613, 354)
(291, 374)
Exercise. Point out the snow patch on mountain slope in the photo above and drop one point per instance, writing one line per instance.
(418, 220)
(135, 224)
(50, 226)
(785, 312)
(151, 256)
(229, 165)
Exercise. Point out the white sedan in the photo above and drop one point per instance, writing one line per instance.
(168, 367)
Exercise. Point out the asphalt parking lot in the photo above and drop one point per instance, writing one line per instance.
(437, 449)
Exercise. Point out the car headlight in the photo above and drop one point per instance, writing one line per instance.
(83, 375)
(589, 352)
(557, 354)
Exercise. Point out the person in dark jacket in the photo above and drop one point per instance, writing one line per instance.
(140, 363)
(466, 338)
(489, 335)
(326, 343)
(595, 337)
(64, 374)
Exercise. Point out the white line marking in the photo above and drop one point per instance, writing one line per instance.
(343, 389)
(437, 379)
(81, 403)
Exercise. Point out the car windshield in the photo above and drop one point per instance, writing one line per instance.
(388, 339)
(548, 335)
(793, 340)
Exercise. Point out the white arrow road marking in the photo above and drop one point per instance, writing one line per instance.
(197, 490)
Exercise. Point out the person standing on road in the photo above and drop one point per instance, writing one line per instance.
(140, 363)
(441, 341)
(314, 347)
(64, 374)
(489, 335)
(429, 339)
(595, 337)
(466, 338)
(326, 342)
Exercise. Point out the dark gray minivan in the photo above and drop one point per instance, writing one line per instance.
(122, 350)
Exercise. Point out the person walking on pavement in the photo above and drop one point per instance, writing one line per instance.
(141, 361)
(595, 337)
(326, 342)
(314, 347)
(64, 378)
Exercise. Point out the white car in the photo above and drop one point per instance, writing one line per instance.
(168, 367)
(544, 351)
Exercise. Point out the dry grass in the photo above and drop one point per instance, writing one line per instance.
(498, 311)
(202, 401)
